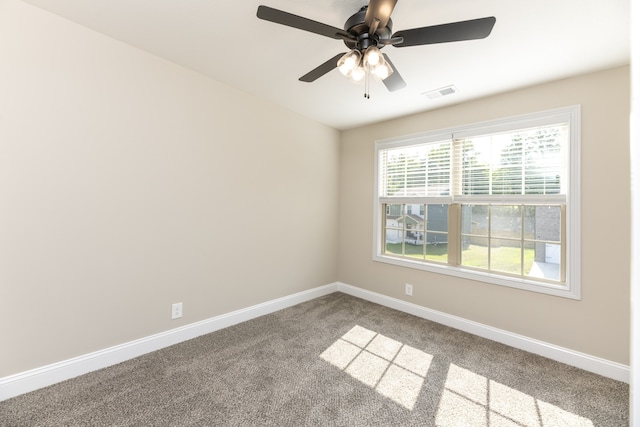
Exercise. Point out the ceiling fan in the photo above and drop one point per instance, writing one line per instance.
(368, 31)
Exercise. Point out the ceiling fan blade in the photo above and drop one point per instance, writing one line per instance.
(452, 32)
(394, 81)
(380, 10)
(295, 21)
(321, 70)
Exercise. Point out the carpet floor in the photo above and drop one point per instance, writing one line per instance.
(333, 361)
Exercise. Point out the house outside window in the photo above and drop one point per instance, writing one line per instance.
(496, 202)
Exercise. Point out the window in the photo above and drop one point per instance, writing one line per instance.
(496, 202)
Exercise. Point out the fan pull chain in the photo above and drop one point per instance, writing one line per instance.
(366, 83)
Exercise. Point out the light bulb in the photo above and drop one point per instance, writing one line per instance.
(357, 74)
(348, 62)
(372, 56)
(382, 71)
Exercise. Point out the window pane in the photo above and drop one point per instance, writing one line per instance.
(413, 224)
(542, 223)
(404, 230)
(475, 220)
(475, 172)
(403, 171)
(392, 246)
(417, 170)
(530, 222)
(437, 247)
(414, 250)
(394, 211)
(438, 219)
(544, 159)
(475, 252)
(437, 233)
(506, 221)
(526, 161)
(507, 170)
(393, 229)
(439, 169)
(545, 261)
(506, 256)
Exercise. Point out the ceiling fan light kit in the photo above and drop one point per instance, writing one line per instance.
(368, 31)
(358, 67)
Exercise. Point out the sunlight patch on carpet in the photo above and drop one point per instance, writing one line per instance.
(393, 369)
(470, 399)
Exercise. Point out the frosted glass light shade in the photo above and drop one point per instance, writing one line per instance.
(357, 75)
(373, 56)
(382, 70)
(349, 62)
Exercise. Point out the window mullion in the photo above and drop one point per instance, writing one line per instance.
(454, 238)
(522, 226)
(563, 243)
(489, 219)
(424, 231)
(403, 213)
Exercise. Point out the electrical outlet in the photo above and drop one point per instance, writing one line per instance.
(176, 310)
(408, 289)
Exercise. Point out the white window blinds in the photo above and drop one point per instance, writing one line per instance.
(505, 166)
(421, 170)
(517, 163)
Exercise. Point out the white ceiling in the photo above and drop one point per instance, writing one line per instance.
(532, 42)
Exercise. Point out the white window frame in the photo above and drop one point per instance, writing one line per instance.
(571, 287)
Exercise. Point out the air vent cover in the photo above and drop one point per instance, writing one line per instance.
(439, 93)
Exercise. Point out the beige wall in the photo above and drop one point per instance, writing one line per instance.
(598, 324)
(128, 183)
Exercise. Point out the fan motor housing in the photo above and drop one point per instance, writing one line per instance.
(356, 25)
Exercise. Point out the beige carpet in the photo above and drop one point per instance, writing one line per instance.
(333, 361)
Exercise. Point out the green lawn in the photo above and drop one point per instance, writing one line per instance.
(505, 259)
(434, 252)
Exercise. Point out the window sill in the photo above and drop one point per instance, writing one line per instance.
(481, 276)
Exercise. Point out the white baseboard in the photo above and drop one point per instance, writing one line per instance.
(34, 379)
(606, 368)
